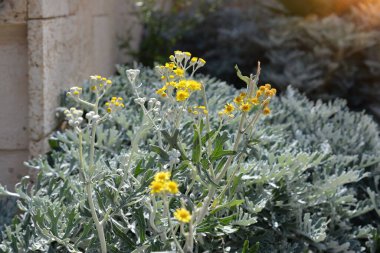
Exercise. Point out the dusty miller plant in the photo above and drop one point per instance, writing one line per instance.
(295, 183)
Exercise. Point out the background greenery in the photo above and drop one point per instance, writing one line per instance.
(326, 49)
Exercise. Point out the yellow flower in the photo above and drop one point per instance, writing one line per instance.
(172, 187)
(193, 85)
(157, 187)
(181, 84)
(162, 92)
(242, 94)
(254, 101)
(268, 86)
(274, 91)
(162, 176)
(179, 72)
(259, 93)
(262, 88)
(182, 215)
(238, 100)
(266, 110)
(269, 93)
(245, 107)
(228, 108)
(182, 95)
(194, 60)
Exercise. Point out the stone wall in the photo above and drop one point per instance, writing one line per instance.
(45, 47)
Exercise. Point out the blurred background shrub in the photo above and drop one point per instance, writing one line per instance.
(325, 48)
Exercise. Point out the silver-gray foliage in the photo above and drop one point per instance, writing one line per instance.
(310, 182)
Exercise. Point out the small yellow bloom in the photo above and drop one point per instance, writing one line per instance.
(262, 88)
(259, 93)
(182, 95)
(266, 111)
(274, 91)
(109, 82)
(172, 187)
(162, 92)
(242, 94)
(157, 187)
(109, 110)
(93, 88)
(228, 108)
(162, 176)
(179, 72)
(193, 85)
(194, 60)
(245, 107)
(182, 215)
(238, 100)
(254, 101)
(268, 86)
(181, 84)
(269, 93)
(187, 54)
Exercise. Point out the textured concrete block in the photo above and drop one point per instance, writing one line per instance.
(13, 11)
(104, 45)
(38, 9)
(65, 60)
(12, 168)
(14, 87)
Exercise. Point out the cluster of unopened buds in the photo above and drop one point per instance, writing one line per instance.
(154, 105)
(92, 116)
(173, 76)
(245, 103)
(114, 105)
(74, 116)
(163, 185)
(74, 92)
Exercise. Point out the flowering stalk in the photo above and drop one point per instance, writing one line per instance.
(89, 191)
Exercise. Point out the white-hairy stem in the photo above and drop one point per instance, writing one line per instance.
(89, 191)
(166, 210)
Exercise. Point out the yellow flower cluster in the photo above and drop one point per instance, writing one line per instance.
(163, 184)
(99, 83)
(182, 215)
(245, 103)
(115, 104)
(173, 76)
